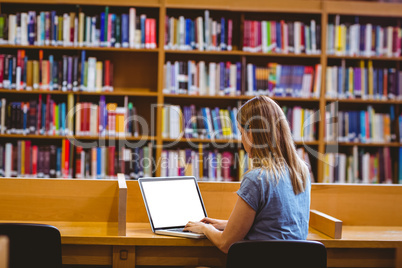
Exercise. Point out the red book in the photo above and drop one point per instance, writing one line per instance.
(88, 118)
(78, 171)
(227, 159)
(148, 33)
(109, 30)
(395, 40)
(283, 35)
(39, 114)
(66, 157)
(1, 70)
(303, 38)
(258, 36)
(40, 67)
(47, 116)
(53, 120)
(245, 35)
(106, 75)
(273, 35)
(83, 118)
(230, 30)
(111, 161)
(34, 160)
(28, 157)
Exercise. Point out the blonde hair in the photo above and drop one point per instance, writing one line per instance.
(272, 147)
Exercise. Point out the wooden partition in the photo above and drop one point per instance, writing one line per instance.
(4, 251)
(362, 205)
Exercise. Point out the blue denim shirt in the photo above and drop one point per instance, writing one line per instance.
(280, 214)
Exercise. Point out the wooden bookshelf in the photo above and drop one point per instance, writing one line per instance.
(139, 72)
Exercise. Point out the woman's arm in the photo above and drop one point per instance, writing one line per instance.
(218, 224)
(239, 223)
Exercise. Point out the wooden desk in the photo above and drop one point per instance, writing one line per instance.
(86, 215)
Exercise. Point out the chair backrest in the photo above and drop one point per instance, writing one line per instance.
(3, 251)
(277, 253)
(33, 245)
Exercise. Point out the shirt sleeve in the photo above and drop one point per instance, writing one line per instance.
(250, 193)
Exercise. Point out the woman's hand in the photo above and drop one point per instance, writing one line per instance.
(195, 227)
(218, 224)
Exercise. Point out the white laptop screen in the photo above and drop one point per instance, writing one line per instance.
(172, 202)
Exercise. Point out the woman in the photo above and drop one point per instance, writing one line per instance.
(274, 196)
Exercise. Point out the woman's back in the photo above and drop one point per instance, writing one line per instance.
(280, 213)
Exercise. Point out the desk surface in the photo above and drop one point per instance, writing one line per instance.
(100, 233)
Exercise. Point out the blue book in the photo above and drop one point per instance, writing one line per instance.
(375, 85)
(188, 33)
(380, 83)
(363, 126)
(24, 77)
(53, 33)
(223, 30)
(347, 83)
(206, 124)
(189, 80)
(31, 27)
(143, 18)
(58, 162)
(350, 127)
(215, 122)
(99, 163)
(24, 121)
(193, 42)
(63, 118)
(82, 87)
(10, 71)
(222, 77)
(214, 164)
(43, 122)
(234, 126)
(366, 91)
(43, 23)
(238, 78)
(340, 81)
(254, 79)
(102, 29)
(218, 119)
(278, 37)
(400, 166)
(377, 40)
(124, 30)
(51, 63)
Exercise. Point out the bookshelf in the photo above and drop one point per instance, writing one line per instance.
(139, 72)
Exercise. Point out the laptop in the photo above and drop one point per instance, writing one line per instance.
(172, 202)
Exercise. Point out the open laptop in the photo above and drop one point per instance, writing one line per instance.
(172, 202)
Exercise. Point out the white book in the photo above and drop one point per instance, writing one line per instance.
(202, 78)
(218, 80)
(66, 29)
(176, 75)
(317, 81)
(12, 28)
(91, 74)
(264, 37)
(171, 45)
(182, 34)
(18, 78)
(313, 37)
(174, 121)
(78, 119)
(87, 41)
(367, 42)
(164, 164)
(355, 178)
(366, 168)
(207, 30)
(94, 40)
(329, 82)
(342, 168)
(250, 80)
(285, 39)
(212, 78)
(75, 31)
(39, 26)
(24, 29)
(132, 26)
(380, 51)
(168, 77)
(297, 37)
(200, 33)
(335, 82)
(8, 159)
(93, 120)
(389, 41)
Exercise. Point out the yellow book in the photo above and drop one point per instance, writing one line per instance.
(229, 122)
(22, 158)
(241, 164)
(302, 120)
(223, 124)
(29, 73)
(387, 128)
(120, 128)
(338, 39)
(35, 79)
(370, 79)
(351, 89)
(81, 21)
(344, 34)
(99, 76)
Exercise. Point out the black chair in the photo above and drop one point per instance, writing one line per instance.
(33, 245)
(277, 254)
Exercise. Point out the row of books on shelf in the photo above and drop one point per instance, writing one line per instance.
(284, 80)
(358, 39)
(365, 126)
(202, 33)
(216, 123)
(106, 119)
(282, 37)
(47, 28)
(25, 159)
(70, 73)
(363, 82)
(361, 166)
(211, 165)
(225, 79)
(38, 117)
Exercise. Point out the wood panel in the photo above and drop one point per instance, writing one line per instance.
(219, 200)
(124, 256)
(359, 257)
(148, 3)
(375, 205)
(86, 255)
(326, 224)
(4, 251)
(58, 200)
(364, 8)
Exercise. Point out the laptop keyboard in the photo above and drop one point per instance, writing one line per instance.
(177, 230)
